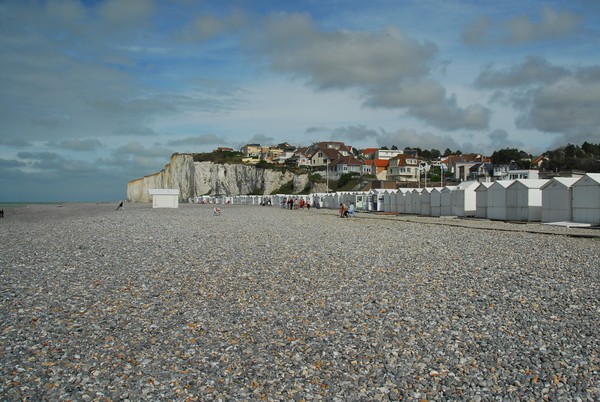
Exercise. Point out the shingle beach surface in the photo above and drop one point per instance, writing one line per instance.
(263, 303)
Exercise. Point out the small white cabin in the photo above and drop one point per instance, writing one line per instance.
(586, 199)
(557, 199)
(524, 200)
(463, 199)
(496, 197)
(416, 200)
(446, 200)
(481, 199)
(426, 201)
(164, 197)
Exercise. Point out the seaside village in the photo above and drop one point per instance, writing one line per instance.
(427, 183)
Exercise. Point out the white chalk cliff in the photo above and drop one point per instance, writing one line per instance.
(208, 178)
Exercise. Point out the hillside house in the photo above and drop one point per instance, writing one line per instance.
(403, 168)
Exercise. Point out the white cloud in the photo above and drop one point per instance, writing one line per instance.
(551, 25)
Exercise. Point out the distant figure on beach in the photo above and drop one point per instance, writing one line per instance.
(351, 209)
(1, 213)
(121, 206)
(217, 211)
(343, 210)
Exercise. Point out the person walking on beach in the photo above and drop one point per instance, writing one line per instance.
(121, 206)
(1, 213)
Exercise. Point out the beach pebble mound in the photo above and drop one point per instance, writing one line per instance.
(263, 303)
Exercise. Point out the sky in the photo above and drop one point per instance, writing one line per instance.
(96, 93)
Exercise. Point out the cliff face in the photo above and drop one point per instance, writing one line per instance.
(201, 178)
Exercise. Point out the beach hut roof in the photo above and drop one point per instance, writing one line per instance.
(529, 183)
(484, 185)
(564, 181)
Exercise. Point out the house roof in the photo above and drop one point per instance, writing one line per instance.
(402, 159)
(384, 163)
(368, 151)
(331, 153)
(347, 160)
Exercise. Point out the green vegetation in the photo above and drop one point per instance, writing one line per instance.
(223, 157)
(347, 182)
(573, 157)
(287, 188)
(316, 178)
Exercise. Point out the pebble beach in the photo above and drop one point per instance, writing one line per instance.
(263, 303)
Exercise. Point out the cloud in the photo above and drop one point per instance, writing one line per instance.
(387, 68)
(15, 142)
(551, 25)
(533, 70)
(549, 98)
(42, 156)
(261, 139)
(499, 138)
(342, 59)
(353, 133)
(137, 149)
(568, 107)
(448, 115)
(11, 163)
(204, 139)
(411, 138)
(117, 13)
(208, 26)
(77, 144)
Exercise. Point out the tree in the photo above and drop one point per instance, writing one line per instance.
(394, 148)
(426, 154)
(505, 156)
(447, 152)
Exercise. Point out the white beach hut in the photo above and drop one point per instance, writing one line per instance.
(524, 200)
(586, 199)
(481, 201)
(426, 201)
(401, 200)
(164, 197)
(376, 200)
(557, 199)
(496, 197)
(408, 201)
(446, 200)
(464, 200)
(389, 197)
(416, 200)
(361, 201)
(436, 202)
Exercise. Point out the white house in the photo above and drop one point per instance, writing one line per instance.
(524, 200)
(387, 153)
(586, 199)
(164, 197)
(557, 199)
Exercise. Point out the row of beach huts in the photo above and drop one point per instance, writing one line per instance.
(556, 200)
